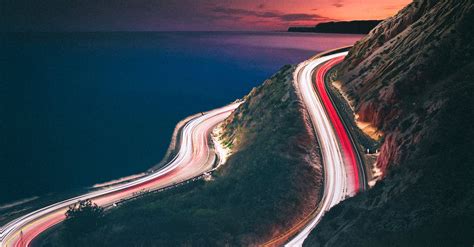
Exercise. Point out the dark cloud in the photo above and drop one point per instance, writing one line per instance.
(233, 11)
(301, 17)
(142, 15)
(287, 17)
(338, 4)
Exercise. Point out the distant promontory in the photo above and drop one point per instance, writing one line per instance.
(353, 27)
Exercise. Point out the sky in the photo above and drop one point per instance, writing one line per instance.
(185, 15)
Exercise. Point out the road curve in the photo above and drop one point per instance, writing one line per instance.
(194, 158)
(340, 164)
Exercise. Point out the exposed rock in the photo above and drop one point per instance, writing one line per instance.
(413, 78)
(388, 71)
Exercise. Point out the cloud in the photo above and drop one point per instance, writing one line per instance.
(302, 17)
(338, 4)
(287, 17)
(149, 15)
(233, 11)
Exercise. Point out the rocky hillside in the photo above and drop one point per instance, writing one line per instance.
(388, 71)
(412, 78)
(268, 183)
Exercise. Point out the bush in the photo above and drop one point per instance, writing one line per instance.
(83, 217)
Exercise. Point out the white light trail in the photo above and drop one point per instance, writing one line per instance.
(336, 185)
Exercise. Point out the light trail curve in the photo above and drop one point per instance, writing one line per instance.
(341, 178)
(194, 158)
(340, 165)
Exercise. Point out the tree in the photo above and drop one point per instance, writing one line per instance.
(84, 217)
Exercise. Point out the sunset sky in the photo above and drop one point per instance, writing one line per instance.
(184, 15)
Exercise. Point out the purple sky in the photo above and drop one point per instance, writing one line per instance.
(159, 15)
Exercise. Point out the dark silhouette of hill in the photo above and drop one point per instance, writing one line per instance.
(353, 27)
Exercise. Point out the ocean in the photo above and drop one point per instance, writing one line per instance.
(83, 108)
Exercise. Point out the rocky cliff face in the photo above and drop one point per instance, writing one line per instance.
(402, 60)
(413, 78)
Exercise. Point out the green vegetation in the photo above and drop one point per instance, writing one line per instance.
(263, 187)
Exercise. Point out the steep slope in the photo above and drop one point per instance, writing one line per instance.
(268, 183)
(412, 78)
(388, 71)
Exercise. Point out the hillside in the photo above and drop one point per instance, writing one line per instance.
(264, 187)
(353, 27)
(412, 78)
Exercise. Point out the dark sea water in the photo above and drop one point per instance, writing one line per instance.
(82, 108)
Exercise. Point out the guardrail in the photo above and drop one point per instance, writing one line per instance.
(144, 193)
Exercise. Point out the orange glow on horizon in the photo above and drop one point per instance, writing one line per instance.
(189, 15)
(322, 10)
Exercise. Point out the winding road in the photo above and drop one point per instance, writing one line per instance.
(341, 175)
(195, 157)
(344, 173)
